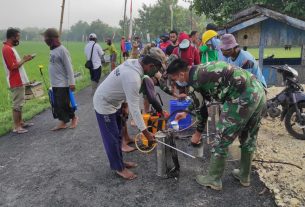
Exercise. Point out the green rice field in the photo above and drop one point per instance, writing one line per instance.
(76, 49)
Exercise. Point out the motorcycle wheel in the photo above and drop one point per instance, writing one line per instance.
(294, 126)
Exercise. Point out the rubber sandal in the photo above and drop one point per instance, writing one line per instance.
(27, 124)
(21, 131)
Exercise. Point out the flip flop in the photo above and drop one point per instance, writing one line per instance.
(27, 124)
(20, 131)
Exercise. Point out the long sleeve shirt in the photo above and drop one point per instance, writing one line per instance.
(148, 88)
(60, 68)
(121, 85)
(224, 83)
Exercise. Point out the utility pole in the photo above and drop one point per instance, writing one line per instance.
(124, 24)
(172, 15)
(191, 15)
(191, 9)
(62, 16)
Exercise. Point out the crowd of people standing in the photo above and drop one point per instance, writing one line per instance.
(213, 65)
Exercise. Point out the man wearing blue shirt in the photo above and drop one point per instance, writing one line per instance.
(239, 57)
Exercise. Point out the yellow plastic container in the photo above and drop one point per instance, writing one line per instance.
(146, 118)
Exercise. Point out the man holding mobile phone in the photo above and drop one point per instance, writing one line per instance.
(16, 77)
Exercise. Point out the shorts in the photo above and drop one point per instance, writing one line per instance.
(18, 97)
(95, 74)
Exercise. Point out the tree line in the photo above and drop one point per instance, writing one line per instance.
(153, 19)
(221, 11)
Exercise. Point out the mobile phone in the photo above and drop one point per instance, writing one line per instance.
(33, 55)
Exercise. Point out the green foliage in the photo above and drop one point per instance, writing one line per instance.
(78, 32)
(221, 11)
(156, 19)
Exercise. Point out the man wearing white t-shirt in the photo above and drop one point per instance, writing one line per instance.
(94, 52)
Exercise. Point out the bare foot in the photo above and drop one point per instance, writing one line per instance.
(196, 138)
(62, 125)
(128, 140)
(132, 123)
(74, 122)
(130, 164)
(127, 174)
(127, 148)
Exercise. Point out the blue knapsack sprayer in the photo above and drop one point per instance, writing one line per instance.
(73, 103)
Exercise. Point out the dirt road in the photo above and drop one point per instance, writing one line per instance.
(70, 168)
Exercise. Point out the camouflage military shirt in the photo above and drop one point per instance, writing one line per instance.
(224, 83)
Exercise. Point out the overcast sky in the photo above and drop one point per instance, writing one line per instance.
(46, 13)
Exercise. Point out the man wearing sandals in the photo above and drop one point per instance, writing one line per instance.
(243, 98)
(16, 77)
(123, 84)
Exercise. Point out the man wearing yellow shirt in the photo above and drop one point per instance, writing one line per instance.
(113, 53)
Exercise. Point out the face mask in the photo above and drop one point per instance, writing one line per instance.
(181, 84)
(48, 41)
(152, 72)
(15, 42)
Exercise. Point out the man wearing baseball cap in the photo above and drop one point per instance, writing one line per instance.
(123, 84)
(240, 58)
(94, 52)
(186, 51)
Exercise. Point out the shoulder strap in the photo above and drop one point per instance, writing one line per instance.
(92, 51)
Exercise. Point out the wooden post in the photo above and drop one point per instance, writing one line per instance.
(62, 16)
(124, 25)
(303, 55)
(261, 47)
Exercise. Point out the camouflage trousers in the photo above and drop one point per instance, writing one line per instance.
(241, 117)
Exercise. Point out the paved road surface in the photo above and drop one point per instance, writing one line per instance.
(70, 168)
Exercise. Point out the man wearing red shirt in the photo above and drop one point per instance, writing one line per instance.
(186, 51)
(16, 77)
(189, 54)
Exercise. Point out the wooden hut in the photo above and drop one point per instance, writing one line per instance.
(261, 27)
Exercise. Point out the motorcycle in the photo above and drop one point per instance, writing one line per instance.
(289, 104)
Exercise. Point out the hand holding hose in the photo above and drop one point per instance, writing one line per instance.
(181, 115)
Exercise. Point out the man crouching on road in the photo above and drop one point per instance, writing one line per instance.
(243, 99)
(123, 84)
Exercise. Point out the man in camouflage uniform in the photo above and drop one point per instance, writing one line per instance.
(243, 99)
